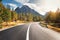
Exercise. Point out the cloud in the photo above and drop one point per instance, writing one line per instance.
(36, 8)
(12, 5)
(35, 1)
(43, 6)
(22, 1)
(40, 5)
(48, 5)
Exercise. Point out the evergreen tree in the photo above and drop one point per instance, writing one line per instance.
(6, 16)
(14, 16)
(0, 0)
(1, 22)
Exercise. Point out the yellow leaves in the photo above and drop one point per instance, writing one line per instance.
(53, 16)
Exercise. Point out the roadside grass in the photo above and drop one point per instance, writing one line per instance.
(50, 26)
(54, 28)
(9, 24)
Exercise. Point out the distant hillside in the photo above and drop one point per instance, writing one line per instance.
(24, 13)
(25, 9)
(28, 13)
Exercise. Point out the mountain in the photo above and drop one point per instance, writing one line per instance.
(26, 9)
(13, 4)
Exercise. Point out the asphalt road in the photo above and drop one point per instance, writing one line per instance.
(40, 33)
(16, 33)
(31, 31)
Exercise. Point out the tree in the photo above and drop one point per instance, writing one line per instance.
(37, 18)
(14, 16)
(0, 0)
(57, 16)
(53, 18)
(6, 16)
(30, 17)
(1, 22)
(49, 17)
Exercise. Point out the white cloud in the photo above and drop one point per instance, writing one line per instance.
(22, 1)
(12, 6)
(36, 8)
(48, 5)
(41, 6)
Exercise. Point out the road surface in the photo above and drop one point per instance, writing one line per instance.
(16, 33)
(40, 33)
(30, 31)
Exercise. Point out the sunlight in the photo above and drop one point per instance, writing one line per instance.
(50, 5)
(43, 6)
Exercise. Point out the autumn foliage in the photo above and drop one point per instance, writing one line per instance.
(53, 18)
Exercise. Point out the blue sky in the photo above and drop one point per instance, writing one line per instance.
(41, 6)
(11, 2)
(19, 2)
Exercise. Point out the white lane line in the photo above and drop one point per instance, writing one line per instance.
(27, 35)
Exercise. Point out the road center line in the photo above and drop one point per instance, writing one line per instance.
(27, 35)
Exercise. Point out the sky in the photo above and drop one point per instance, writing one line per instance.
(41, 6)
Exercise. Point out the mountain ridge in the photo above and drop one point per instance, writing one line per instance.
(26, 9)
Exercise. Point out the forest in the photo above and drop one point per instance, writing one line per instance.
(6, 15)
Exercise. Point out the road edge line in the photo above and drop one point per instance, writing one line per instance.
(27, 35)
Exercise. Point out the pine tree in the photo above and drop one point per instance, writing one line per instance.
(0, 0)
(14, 16)
(6, 15)
(1, 22)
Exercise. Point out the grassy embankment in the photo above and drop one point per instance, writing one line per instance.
(55, 28)
(9, 24)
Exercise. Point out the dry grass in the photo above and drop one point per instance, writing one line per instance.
(54, 28)
(50, 27)
(9, 24)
